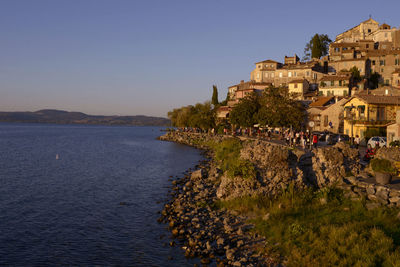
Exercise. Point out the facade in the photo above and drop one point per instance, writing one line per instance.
(246, 85)
(396, 78)
(298, 88)
(335, 85)
(360, 32)
(265, 71)
(393, 130)
(369, 112)
(223, 112)
(332, 117)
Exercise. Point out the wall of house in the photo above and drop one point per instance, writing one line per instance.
(334, 90)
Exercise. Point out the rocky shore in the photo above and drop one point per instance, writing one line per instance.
(220, 236)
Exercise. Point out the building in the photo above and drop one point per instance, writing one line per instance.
(360, 32)
(223, 112)
(298, 88)
(396, 78)
(331, 118)
(393, 130)
(265, 71)
(314, 110)
(336, 85)
(367, 112)
(246, 85)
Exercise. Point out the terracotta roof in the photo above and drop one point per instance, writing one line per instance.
(297, 81)
(375, 99)
(322, 101)
(335, 78)
(396, 71)
(224, 108)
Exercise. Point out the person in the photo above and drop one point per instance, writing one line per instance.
(369, 153)
(315, 140)
(357, 141)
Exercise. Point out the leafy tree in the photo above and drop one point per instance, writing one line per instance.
(278, 109)
(214, 99)
(199, 116)
(355, 74)
(317, 47)
(374, 80)
(245, 112)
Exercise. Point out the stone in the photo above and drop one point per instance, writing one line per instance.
(199, 174)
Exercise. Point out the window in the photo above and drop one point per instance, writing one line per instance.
(396, 61)
(258, 75)
(266, 66)
(337, 49)
(387, 82)
(325, 120)
(272, 65)
(259, 66)
(332, 83)
(340, 83)
(369, 30)
(360, 70)
(373, 62)
(290, 74)
(345, 92)
(385, 34)
(344, 48)
(295, 85)
(315, 76)
(307, 73)
(367, 46)
(382, 62)
(295, 74)
(382, 70)
(272, 75)
(280, 75)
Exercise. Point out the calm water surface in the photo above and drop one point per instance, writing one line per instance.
(96, 205)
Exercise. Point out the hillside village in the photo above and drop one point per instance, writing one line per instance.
(335, 99)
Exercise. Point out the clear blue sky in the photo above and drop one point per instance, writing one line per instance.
(130, 57)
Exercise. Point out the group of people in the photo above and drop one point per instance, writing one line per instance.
(303, 139)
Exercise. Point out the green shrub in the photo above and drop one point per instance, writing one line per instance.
(382, 165)
(227, 153)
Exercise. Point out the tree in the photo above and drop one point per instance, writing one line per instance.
(244, 113)
(355, 73)
(279, 110)
(199, 116)
(317, 47)
(214, 99)
(374, 80)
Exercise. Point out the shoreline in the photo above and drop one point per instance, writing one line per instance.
(215, 236)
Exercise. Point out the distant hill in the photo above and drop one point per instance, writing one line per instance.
(65, 117)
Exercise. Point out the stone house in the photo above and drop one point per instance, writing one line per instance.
(223, 112)
(346, 64)
(298, 88)
(369, 112)
(332, 117)
(292, 60)
(385, 62)
(393, 130)
(312, 71)
(359, 32)
(396, 78)
(336, 85)
(314, 110)
(265, 71)
(246, 85)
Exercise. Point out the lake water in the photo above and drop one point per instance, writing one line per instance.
(96, 204)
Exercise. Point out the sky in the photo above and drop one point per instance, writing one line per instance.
(146, 57)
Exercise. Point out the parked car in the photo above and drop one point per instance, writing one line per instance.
(377, 139)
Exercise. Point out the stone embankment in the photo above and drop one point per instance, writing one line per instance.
(220, 236)
(363, 185)
(214, 235)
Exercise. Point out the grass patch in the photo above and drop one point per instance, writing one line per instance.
(323, 228)
(227, 154)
